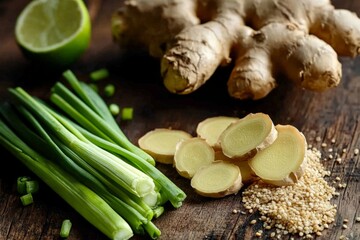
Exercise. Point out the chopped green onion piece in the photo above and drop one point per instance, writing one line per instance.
(65, 228)
(32, 186)
(127, 113)
(109, 90)
(99, 74)
(114, 109)
(21, 184)
(26, 199)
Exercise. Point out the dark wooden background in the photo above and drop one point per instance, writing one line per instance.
(332, 114)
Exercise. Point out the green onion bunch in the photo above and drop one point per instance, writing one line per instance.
(75, 146)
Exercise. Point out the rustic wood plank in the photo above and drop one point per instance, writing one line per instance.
(334, 114)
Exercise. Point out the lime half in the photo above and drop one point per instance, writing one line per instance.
(54, 32)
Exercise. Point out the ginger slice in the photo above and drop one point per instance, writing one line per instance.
(191, 154)
(245, 137)
(211, 128)
(217, 179)
(284, 161)
(247, 174)
(161, 143)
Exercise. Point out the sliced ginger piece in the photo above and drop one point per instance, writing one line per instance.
(219, 155)
(161, 143)
(191, 154)
(211, 128)
(245, 137)
(247, 174)
(284, 161)
(217, 179)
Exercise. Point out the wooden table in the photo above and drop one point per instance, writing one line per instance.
(334, 114)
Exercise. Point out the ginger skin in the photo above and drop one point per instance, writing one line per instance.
(296, 38)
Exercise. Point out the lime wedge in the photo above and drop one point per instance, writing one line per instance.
(53, 32)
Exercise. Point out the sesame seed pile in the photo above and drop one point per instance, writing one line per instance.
(303, 208)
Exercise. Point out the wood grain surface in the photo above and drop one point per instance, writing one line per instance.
(334, 114)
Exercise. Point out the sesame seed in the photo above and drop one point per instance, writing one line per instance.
(343, 185)
(253, 222)
(318, 139)
(357, 219)
(345, 220)
(333, 140)
(356, 151)
(344, 226)
(323, 145)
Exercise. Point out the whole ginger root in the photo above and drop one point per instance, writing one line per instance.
(300, 39)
